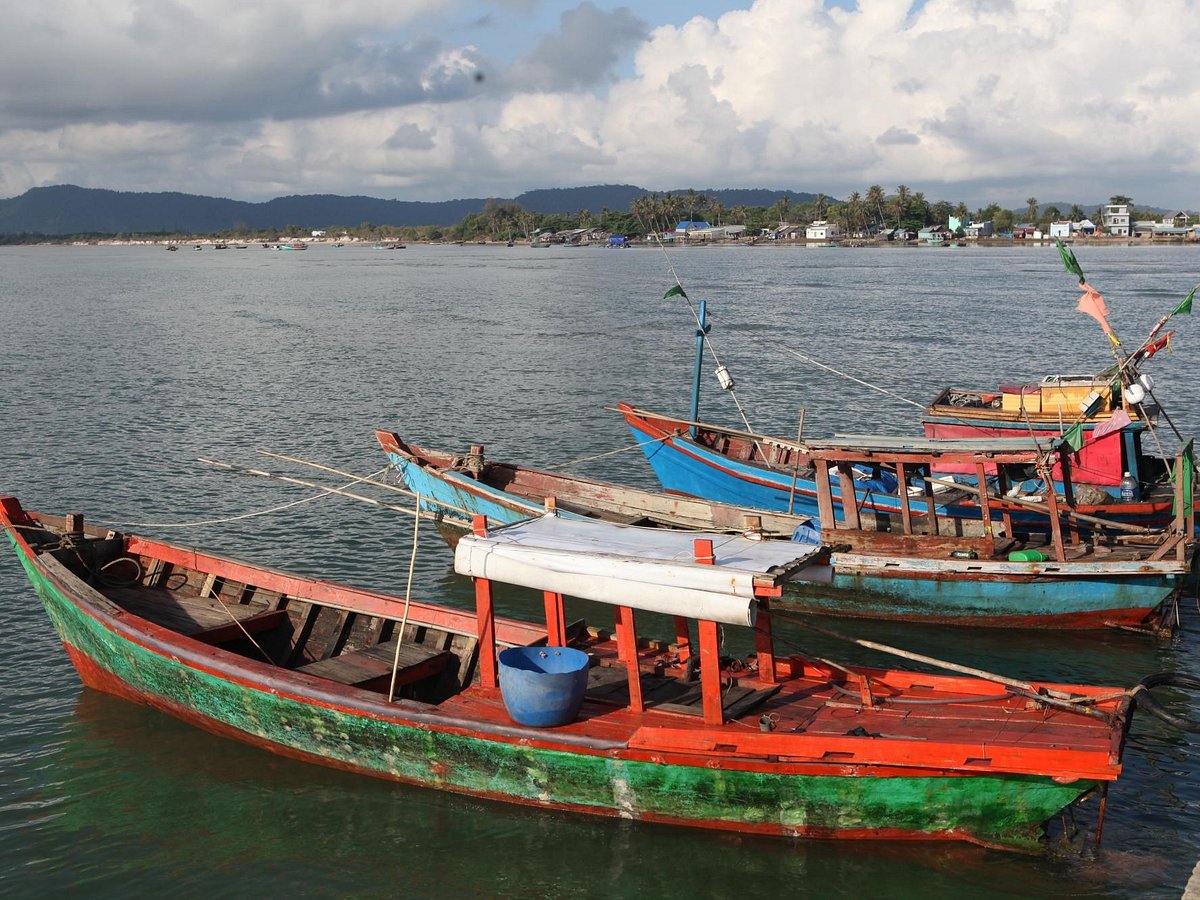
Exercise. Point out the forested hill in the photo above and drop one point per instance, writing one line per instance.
(67, 209)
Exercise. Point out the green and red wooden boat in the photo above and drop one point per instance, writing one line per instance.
(416, 692)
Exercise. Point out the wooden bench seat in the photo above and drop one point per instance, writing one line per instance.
(610, 684)
(371, 668)
(203, 618)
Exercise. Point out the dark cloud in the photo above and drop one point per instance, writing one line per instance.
(895, 135)
(583, 52)
(410, 137)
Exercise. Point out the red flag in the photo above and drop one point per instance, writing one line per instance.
(1154, 346)
(1093, 304)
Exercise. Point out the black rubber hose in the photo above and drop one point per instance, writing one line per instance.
(1145, 700)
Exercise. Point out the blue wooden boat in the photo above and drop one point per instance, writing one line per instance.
(738, 467)
(964, 578)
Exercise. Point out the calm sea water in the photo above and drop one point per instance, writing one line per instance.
(122, 366)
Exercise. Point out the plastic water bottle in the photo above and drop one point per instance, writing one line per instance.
(1130, 492)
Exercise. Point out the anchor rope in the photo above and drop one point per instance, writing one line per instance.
(583, 459)
(700, 329)
(828, 368)
(325, 492)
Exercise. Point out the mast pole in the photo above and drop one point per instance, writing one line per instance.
(701, 334)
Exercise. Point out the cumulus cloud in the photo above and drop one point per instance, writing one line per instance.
(583, 52)
(977, 102)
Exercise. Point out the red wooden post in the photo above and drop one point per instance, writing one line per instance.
(930, 501)
(710, 673)
(556, 622)
(849, 496)
(485, 617)
(1056, 536)
(905, 509)
(683, 640)
(710, 649)
(627, 645)
(764, 642)
(824, 496)
(985, 505)
(1002, 486)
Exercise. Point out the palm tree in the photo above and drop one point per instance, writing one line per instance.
(900, 203)
(783, 205)
(1077, 214)
(961, 212)
(821, 206)
(918, 200)
(854, 212)
(715, 209)
(1031, 210)
(875, 198)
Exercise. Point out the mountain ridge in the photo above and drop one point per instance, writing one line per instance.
(69, 209)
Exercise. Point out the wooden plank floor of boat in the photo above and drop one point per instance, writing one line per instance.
(204, 618)
(371, 667)
(610, 684)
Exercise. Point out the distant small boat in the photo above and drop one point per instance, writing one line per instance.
(172, 247)
(294, 245)
(220, 246)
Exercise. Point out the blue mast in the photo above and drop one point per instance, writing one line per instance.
(701, 332)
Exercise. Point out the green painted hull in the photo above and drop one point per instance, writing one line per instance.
(296, 717)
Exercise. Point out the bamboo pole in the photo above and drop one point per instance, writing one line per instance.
(1053, 698)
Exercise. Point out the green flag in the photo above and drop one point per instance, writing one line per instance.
(1069, 260)
(1185, 305)
(1188, 464)
(676, 291)
(1074, 436)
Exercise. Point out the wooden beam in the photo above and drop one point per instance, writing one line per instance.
(764, 643)
(485, 618)
(556, 622)
(627, 638)
(824, 496)
(849, 496)
(710, 673)
(902, 489)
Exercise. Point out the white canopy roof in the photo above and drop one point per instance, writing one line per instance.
(649, 569)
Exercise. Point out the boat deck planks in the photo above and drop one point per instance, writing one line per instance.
(371, 668)
(204, 618)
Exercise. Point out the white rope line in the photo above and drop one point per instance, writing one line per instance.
(700, 328)
(583, 459)
(325, 492)
(874, 387)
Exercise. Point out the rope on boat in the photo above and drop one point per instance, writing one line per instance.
(583, 459)
(250, 515)
(700, 327)
(366, 479)
(874, 387)
(412, 562)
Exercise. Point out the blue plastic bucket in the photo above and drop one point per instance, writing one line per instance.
(543, 686)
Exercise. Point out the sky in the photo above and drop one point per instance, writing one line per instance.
(964, 100)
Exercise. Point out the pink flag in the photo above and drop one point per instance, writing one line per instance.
(1093, 304)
